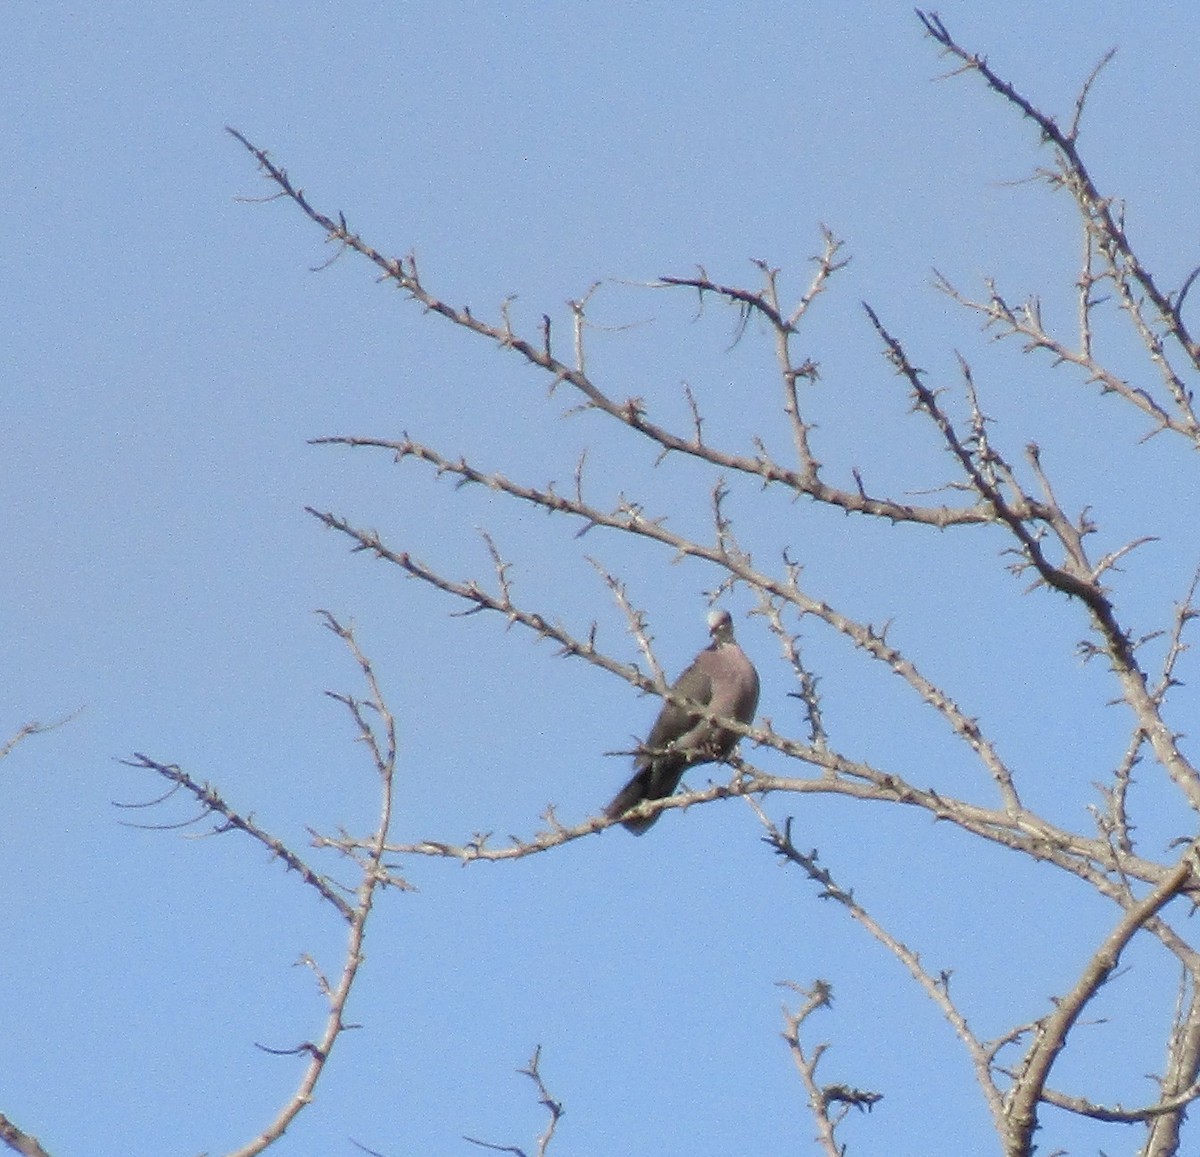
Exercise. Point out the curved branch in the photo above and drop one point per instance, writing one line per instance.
(1097, 208)
(403, 273)
(937, 988)
(211, 802)
(1029, 1088)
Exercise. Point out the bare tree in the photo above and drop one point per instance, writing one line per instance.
(987, 491)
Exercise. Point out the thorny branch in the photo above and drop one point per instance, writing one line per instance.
(376, 729)
(1015, 1110)
(212, 803)
(1074, 575)
(552, 1106)
(937, 988)
(1117, 1115)
(821, 1098)
(1029, 1087)
(404, 274)
(1155, 315)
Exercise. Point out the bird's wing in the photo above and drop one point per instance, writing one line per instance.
(675, 721)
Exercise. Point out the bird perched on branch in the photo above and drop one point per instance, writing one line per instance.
(722, 680)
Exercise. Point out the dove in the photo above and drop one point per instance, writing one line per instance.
(723, 680)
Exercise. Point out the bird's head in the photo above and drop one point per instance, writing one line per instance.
(720, 626)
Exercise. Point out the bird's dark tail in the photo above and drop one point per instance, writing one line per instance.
(632, 794)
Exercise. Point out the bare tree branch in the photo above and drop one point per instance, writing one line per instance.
(376, 729)
(15, 1139)
(1154, 315)
(631, 412)
(552, 1106)
(1023, 1098)
(937, 988)
(212, 803)
(26, 730)
(381, 742)
(821, 1098)
(1097, 209)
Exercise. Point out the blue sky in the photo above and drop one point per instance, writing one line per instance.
(169, 354)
